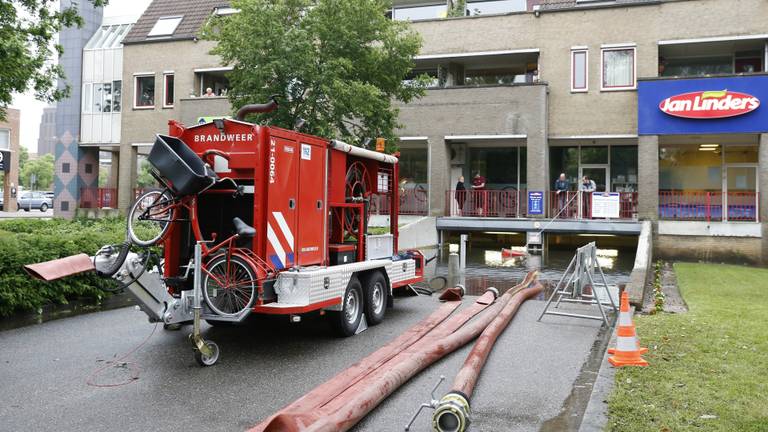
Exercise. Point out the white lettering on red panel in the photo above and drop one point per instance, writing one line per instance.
(272, 160)
(224, 138)
(709, 104)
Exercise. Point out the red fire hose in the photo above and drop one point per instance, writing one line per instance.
(360, 395)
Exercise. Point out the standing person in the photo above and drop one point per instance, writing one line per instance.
(478, 185)
(561, 186)
(586, 187)
(461, 194)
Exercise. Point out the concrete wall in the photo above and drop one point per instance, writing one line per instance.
(643, 268)
(554, 33)
(191, 109)
(648, 177)
(736, 250)
(13, 117)
(504, 110)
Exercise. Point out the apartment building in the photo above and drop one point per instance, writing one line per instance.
(579, 87)
(166, 72)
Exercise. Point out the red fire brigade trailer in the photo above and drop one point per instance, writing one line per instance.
(282, 219)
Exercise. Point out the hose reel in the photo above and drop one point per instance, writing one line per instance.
(357, 189)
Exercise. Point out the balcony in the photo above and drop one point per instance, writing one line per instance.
(700, 58)
(192, 109)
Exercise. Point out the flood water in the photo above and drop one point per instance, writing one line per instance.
(487, 268)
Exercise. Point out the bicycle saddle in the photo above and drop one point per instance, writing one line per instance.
(243, 229)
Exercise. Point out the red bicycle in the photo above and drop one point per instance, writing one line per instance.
(230, 273)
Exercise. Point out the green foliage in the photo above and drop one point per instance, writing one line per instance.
(27, 241)
(707, 366)
(337, 64)
(27, 30)
(103, 176)
(43, 170)
(458, 8)
(658, 292)
(144, 178)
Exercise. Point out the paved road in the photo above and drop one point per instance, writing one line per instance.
(264, 366)
(26, 214)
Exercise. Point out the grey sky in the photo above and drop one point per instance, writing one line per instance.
(32, 109)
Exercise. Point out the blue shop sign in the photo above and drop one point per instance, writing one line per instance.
(535, 203)
(736, 104)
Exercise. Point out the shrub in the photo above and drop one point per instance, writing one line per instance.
(27, 241)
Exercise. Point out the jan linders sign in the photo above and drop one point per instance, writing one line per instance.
(709, 104)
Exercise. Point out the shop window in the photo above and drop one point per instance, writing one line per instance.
(690, 168)
(623, 168)
(499, 166)
(168, 91)
(579, 70)
(413, 165)
(618, 68)
(145, 92)
(741, 154)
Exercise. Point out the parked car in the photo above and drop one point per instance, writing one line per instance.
(48, 194)
(29, 200)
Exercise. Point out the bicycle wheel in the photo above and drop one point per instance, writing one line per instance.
(229, 286)
(150, 217)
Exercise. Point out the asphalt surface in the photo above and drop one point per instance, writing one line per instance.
(263, 367)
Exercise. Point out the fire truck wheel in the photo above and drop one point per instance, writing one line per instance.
(375, 297)
(346, 322)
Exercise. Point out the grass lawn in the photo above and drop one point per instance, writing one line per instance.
(709, 367)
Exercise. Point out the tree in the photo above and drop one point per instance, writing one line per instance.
(144, 178)
(337, 64)
(42, 169)
(27, 28)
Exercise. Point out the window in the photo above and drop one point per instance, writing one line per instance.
(579, 70)
(89, 168)
(168, 90)
(65, 168)
(87, 97)
(417, 13)
(107, 100)
(98, 94)
(64, 205)
(495, 7)
(618, 68)
(5, 139)
(145, 92)
(165, 26)
(117, 93)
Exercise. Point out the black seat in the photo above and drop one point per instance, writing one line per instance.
(243, 229)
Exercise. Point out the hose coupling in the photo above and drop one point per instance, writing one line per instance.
(452, 413)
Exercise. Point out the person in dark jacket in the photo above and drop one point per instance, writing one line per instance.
(461, 194)
(561, 187)
(478, 188)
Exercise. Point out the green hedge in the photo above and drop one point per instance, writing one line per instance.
(27, 241)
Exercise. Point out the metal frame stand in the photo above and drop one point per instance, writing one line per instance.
(206, 351)
(570, 288)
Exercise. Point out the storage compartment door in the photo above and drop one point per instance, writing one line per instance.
(311, 242)
(282, 178)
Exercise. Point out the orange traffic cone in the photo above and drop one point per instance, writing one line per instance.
(627, 351)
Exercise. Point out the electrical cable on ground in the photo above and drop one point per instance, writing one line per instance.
(133, 367)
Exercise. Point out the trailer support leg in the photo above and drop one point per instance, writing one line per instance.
(206, 352)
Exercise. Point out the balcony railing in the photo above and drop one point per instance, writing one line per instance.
(571, 205)
(98, 198)
(708, 206)
(507, 203)
(412, 202)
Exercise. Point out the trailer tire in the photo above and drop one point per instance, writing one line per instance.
(375, 294)
(346, 322)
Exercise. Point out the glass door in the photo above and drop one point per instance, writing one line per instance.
(740, 190)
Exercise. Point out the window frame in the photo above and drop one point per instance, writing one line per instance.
(136, 91)
(618, 47)
(165, 89)
(86, 98)
(177, 18)
(574, 51)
